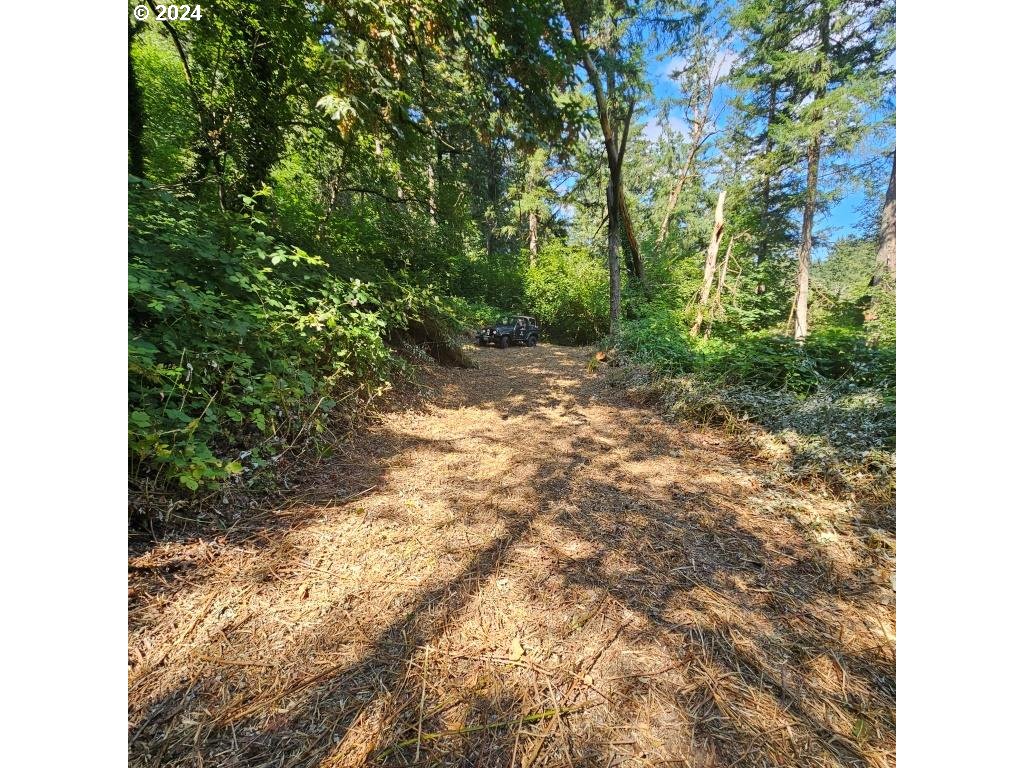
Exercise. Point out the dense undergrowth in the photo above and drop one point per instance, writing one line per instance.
(826, 410)
(242, 349)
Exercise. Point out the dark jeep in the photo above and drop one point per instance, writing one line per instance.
(515, 329)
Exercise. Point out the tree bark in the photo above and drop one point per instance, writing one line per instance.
(766, 191)
(710, 262)
(716, 304)
(636, 261)
(532, 221)
(803, 274)
(885, 264)
(614, 278)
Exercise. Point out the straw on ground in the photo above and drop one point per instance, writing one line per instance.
(525, 568)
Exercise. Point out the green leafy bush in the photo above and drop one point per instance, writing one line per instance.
(240, 347)
(765, 360)
(660, 339)
(567, 291)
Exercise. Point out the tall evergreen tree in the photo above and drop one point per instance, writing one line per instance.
(823, 65)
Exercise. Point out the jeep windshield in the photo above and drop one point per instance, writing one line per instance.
(505, 321)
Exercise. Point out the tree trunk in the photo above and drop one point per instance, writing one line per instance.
(136, 115)
(710, 261)
(636, 262)
(615, 288)
(766, 192)
(885, 264)
(492, 196)
(716, 304)
(803, 274)
(614, 150)
(532, 220)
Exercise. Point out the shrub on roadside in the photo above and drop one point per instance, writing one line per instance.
(240, 347)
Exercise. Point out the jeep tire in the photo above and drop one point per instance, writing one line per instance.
(532, 341)
(503, 342)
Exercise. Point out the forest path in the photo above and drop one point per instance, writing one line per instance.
(525, 569)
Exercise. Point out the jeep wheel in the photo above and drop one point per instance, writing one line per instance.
(532, 341)
(503, 342)
(482, 342)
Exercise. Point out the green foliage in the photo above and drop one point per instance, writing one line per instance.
(239, 344)
(765, 360)
(567, 291)
(840, 283)
(170, 123)
(661, 340)
(881, 316)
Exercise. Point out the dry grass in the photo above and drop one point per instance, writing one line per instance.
(522, 570)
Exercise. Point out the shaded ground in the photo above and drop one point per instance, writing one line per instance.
(524, 570)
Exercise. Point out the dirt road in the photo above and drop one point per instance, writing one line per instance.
(524, 569)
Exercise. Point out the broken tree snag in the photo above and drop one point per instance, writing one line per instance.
(716, 305)
(710, 261)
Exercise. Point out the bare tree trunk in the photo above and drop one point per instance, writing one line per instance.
(614, 151)
(803, 274)
(614, 279)
(532, 219)
(710, 261)
(885, 264)
(766, 192)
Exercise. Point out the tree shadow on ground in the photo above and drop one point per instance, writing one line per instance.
(550, 578)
